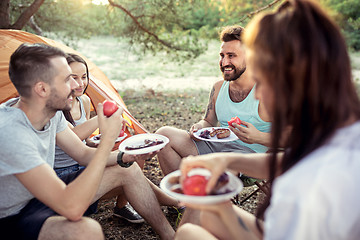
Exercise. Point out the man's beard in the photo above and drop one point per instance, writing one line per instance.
(56, 103)
(232, 76)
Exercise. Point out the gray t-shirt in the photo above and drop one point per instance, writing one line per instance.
(22, 149)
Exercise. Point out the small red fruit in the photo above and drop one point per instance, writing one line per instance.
(195, 185)
(109, 107)
(234, 120)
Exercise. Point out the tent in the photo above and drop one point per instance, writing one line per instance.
(99, 89)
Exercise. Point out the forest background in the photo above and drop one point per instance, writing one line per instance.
(139, 39)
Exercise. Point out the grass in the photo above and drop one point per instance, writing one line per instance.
(173, 108)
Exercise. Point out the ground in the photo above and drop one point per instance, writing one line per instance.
(177, 109)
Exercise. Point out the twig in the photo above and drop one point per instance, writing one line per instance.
(249, 15)
(167, 44)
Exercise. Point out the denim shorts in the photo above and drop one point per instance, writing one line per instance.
(67, 170)
(27, 224)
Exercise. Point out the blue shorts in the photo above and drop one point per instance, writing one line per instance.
(67, 170)
(27, 224)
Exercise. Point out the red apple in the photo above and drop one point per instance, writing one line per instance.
(195, 185)
(109, 107)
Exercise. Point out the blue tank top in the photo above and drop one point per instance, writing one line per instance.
(61, 158)
(246, 110)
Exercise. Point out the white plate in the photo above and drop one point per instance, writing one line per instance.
(234, 185)
(230, 138)
(139, 140)
(98, 141)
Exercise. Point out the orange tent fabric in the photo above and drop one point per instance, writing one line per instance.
(100, 87)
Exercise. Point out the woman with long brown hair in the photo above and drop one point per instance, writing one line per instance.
(81, 123)
(300, 63)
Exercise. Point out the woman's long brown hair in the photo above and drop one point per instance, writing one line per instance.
(303, 56)
(70, 58)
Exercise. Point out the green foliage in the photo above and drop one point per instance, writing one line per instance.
(67, 20)
(171, 28)
(347, 15)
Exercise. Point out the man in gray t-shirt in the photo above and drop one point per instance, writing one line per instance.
(23, 148)
(34, 202)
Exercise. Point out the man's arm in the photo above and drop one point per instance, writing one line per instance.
(210, 118)
(70, 201)
(73, 199)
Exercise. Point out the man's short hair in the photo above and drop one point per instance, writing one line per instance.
(30, 63)
(231, 33)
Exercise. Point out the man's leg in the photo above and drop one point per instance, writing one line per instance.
(139, 194)
(59, 227)
(180, 146)
(163, 198)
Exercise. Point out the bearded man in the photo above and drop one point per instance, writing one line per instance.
(233, 96)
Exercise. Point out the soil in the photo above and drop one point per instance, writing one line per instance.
(180, 110)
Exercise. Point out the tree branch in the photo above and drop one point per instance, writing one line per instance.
(26, 15)
(249, 15)
(34, 26)
(4, 14)
(165, 43)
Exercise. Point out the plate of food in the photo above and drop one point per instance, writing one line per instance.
(96, 138)
(216, 134)
(143, 143)
(228, 185)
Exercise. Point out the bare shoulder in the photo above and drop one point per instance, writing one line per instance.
(218, 85)
(86, 101)
(216, 88)
(263, 113)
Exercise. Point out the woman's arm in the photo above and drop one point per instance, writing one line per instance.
(84, 130)
(253, 164)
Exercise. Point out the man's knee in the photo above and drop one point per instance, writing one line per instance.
(166, 131)
(60, 228)
(91, 229)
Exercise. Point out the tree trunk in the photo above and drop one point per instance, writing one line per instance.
(26, 15)
(4, 14)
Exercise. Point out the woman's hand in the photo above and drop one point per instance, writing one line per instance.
(213, 162)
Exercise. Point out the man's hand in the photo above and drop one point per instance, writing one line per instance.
(109, 127)
(140, 157)
(249, 134)
(196, 127)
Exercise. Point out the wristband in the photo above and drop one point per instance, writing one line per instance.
(120, 161)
